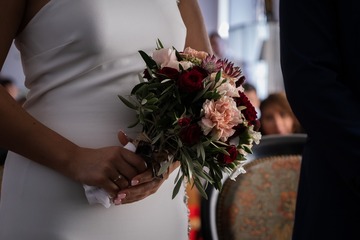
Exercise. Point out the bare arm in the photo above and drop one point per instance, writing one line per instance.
(19, 131)
(196, 36)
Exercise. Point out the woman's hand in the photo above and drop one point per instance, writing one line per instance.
(110, 168)
(143, 184)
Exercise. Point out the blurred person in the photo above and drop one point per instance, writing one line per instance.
(218, 45)
(277, 116)
(221, 50)
(251, 93)
(78, 56)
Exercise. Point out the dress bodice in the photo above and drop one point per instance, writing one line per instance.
(88, 54)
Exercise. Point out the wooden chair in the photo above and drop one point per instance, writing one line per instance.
(260, 204)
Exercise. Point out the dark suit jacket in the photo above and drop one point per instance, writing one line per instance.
(3, 154)
(320, 59)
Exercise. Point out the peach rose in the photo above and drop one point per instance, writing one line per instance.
(189, 52)
(220, 117)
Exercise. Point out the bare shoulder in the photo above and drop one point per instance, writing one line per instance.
(14, 16)
(11, 17)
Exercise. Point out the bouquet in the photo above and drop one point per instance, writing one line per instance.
(192, 109)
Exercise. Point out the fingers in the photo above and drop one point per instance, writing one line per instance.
(121, 181)
(133, 160)
(140, 187)
(136, 162)
(138, 192)
(123, 139)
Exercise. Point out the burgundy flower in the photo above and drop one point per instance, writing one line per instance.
(168, 72)
(249, 112)
(146, 74)
(233, 153)
(183, 122)
(230, 70)
(212, 64)
(192, 80)
(241, 80)
(191, 134)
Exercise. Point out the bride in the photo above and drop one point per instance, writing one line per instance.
(78, 56)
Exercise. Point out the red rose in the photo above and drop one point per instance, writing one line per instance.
(191, 134)
(168, 72)
(225, 159)
(192, 80)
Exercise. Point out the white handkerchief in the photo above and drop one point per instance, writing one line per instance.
(96, 195)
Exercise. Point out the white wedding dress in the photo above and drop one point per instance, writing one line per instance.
(78, 55)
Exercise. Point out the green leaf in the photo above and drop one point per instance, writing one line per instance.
(144, 101)
(201, 93)
(177, 176)
(218, 76)
(136, 88)
(152, 101)
(200, 187)
(157, 137)
(127, 103)
(159, 44)
(177, 187)
(200, 151)
(134, 124)
(164, 167)
(148, 60)
(247, 149)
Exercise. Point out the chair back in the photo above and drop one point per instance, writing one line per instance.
(260, 204)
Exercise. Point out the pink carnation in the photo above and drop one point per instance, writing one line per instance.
(220, 117)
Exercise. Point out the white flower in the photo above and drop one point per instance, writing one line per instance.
(228, 89)
(256, 136)
(166, 57)
(237, 171)
(185, 65)
(225, 86)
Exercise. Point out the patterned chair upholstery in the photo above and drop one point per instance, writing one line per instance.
(260, 204)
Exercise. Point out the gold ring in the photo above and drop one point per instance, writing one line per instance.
(118, 178)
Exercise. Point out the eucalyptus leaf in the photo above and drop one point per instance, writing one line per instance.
(159, 44)
(134, 124)
(127, 103)
(164, 167)
(148, 60)
(177, 187)
(201, 189)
